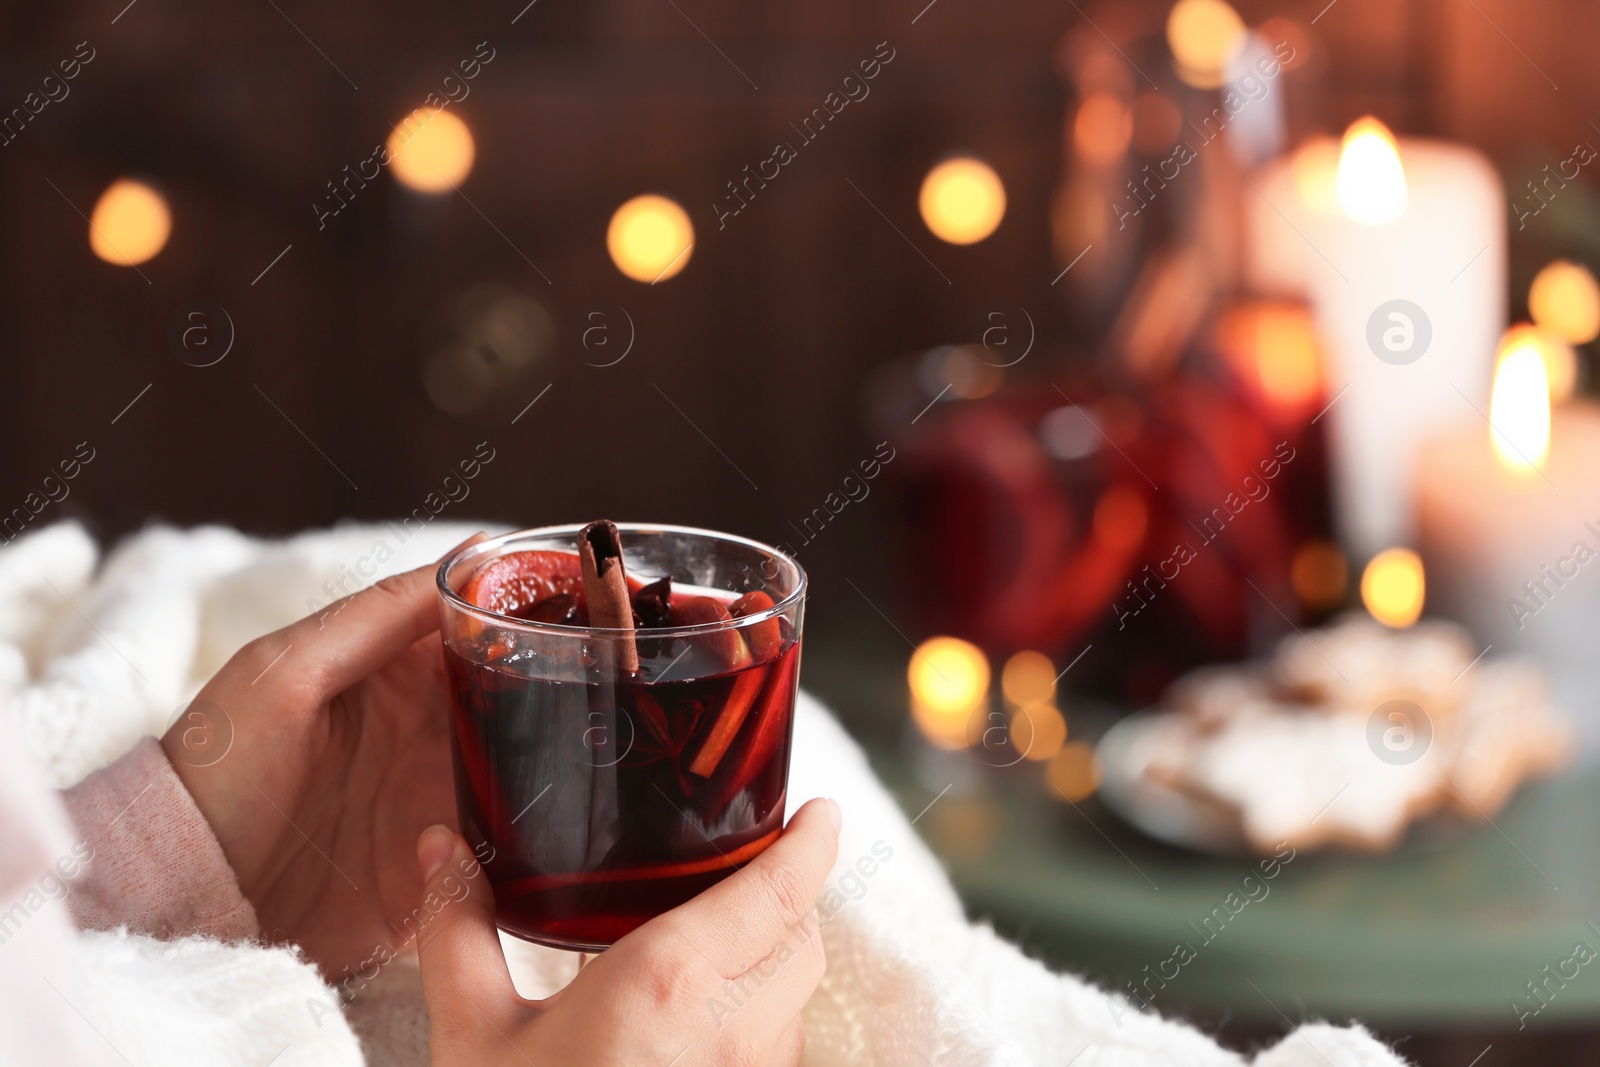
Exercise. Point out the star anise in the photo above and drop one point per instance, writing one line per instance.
(659, 736)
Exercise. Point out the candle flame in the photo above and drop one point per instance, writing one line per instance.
(1519, 407)
(1393, 588)
(1371, 182)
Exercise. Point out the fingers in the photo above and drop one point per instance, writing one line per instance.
(766, 906)
(351, 638)
(464, 974)
(791, 1045)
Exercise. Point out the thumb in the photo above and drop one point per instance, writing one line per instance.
(351, 638)
(464, 974)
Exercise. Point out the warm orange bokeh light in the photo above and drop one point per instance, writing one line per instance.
(1073, 773)
(1273, 347)
(1392, 587)
(130, 223)
(1319, 574)
(1205, 36)
(1565, 300)
(949, 680)
(431, 151)
(650, 238)
(962, 200)
(1038, 731)
(1028, 678)
(1289, 32)
(1102, 129)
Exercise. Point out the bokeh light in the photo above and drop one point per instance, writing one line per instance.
(944, 728)
(1286, 351)
(1069, 433)
(1073, 772)
(962, 200)
(1565, 300)
(1316, 175)
(1102, 129)
(948, 674)
(1279, 31)
(1028, 678)
(431, 151)
(1272, 345)
(1519, 405)
(130, 223)
(1392, 587)
(1371, 181)
(650, 238)
(1560, 366)
(1038, 731)
(959, 372)
(1319, 574)
(1205, 36)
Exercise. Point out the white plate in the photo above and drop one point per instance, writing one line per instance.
(1166, 814)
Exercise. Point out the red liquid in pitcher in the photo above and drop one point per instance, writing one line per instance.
(605, 804)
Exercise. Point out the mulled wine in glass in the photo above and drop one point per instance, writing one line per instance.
(608, 773)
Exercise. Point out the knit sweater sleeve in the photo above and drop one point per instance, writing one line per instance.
(153, 864)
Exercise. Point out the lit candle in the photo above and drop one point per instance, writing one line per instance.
(1400, 249)
(1508, 516)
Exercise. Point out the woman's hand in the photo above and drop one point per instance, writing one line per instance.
(721, 979)
(339, 757)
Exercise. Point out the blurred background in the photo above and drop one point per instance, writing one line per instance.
(980, 312)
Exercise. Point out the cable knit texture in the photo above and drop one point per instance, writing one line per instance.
(93, 661)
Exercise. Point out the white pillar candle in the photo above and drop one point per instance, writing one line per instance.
(1404, 265)
(1512, 548)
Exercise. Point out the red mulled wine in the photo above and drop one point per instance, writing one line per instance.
(605, 796)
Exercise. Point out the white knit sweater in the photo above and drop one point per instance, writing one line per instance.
(96, 654)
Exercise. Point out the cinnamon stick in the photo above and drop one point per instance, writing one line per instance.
(605, 587)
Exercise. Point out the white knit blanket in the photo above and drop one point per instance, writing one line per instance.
(96, 653)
